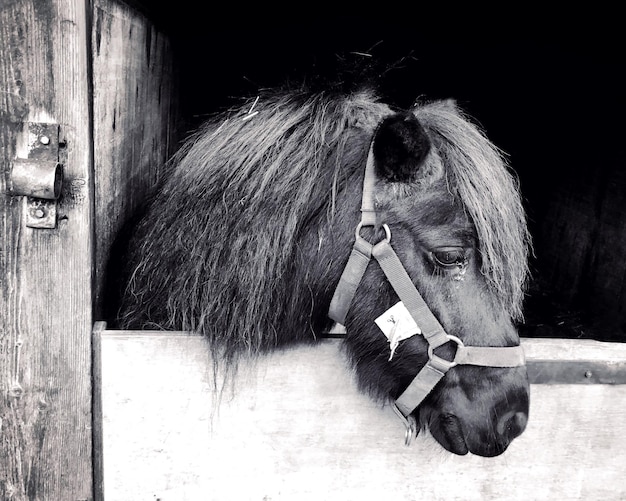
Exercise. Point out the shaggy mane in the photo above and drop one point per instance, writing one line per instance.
(249, 180)
(479, 174)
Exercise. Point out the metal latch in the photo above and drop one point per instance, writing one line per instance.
(39, 176)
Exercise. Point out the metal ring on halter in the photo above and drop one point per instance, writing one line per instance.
(385, 227)
(409, 422)
(445, 363)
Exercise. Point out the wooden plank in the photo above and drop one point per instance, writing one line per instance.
(293, 426)
(97, 451)
(575, 361)
(45, 284)
(135, 119)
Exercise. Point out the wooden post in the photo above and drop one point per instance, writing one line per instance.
(56, 55)
(135, 120)
(46, 274)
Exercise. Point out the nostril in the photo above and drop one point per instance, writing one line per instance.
(511, 425)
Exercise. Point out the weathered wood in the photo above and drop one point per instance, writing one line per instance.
(45, 274)
(135, 117)
(575, 361)
(97, 450)
(293, 426)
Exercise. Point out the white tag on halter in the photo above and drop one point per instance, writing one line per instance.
(397, 324)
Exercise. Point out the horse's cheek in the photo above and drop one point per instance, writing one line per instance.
(470, 312)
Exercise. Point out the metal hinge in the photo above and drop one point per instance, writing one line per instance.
(39, 175)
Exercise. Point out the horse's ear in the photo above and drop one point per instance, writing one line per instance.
(400, 146)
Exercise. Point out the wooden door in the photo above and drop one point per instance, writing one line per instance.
(100, 74)
(46, 274)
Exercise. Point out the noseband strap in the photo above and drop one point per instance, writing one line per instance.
(434, 333)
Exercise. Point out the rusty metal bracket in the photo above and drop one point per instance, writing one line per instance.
(39, 176)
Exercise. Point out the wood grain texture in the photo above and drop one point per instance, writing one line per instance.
(293, 427)
(575, 361)
(135, 118)
(45, 275)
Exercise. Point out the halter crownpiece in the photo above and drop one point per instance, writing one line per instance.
(434, 333)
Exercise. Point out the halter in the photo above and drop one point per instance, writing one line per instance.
(436, 367)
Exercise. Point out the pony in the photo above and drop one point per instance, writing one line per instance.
(247, 238)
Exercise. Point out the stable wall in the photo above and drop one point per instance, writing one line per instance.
(135, 124)
(292, 426)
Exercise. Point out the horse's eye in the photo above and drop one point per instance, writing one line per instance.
(450, 257)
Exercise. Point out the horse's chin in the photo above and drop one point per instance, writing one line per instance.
(447, 430)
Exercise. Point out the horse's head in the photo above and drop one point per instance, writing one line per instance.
(453, 219)
(247, 237)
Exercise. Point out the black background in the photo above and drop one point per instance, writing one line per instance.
(548, 88)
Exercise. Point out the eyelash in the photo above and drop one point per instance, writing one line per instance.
(448, 259)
